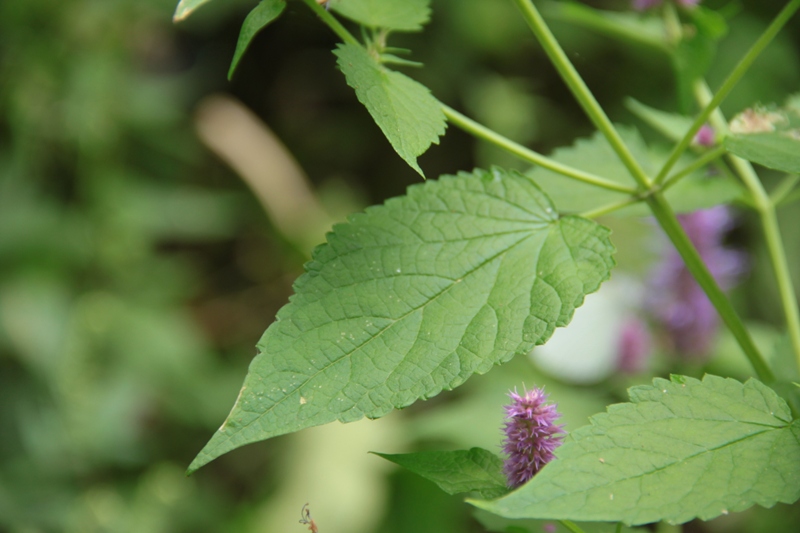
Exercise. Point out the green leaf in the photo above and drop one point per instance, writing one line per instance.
(671, 125)
(261, 15)
(595, 155)
(474, 470)
(186, 8)
(499, 524)
(768, 135)
(412, 298)
(406, 112)
(696, 51)
(682, 449)
(405, 15)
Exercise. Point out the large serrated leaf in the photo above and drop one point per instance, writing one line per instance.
(265, 12)
(412, 298)
(595, 155)
(405, 15)
(456, 472)
(682, 449)
(406, 112)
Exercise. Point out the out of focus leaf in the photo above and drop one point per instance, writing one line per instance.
(499, 524)
(186, 8)
(261, 15)
(768, 135)
(671, 125)
(697, 50)
(405, 15)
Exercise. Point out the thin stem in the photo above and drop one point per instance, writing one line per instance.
(666, 218)
(708, 157)
(765, 208)
(332, 23)
(734, 77)
(610, 208)
(482, 132)
(783, 189)
(572, 526)
(579, 89)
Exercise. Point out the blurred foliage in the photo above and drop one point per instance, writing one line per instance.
(137, 272)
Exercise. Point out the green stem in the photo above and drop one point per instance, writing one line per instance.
(332, 23)
(666, 218)
(734, 77)
(708, 157)
(572, 526)
(581, 15)
(482, 132)
(579, 89)
(765, 208)
(610, 208)
(783, 189)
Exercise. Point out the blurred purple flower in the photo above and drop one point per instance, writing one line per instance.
(677, 302)
(531, 435)
(642, 5)
(635, 346)
(705, 136)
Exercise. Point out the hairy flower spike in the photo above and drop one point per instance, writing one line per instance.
(531, 435)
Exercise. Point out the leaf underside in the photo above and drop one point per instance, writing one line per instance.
(261, 15)
(186, 8)
(456, 472)
(405, 111)
(413, 297)
(408, 15)
(682, 449)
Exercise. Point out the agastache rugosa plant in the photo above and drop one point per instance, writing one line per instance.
(411, 298)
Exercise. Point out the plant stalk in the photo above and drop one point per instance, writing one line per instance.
(669, 222)
(734, 77)
(332, 23)
(579, 89)
(486, 134)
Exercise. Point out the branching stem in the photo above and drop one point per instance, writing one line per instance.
(482, 132)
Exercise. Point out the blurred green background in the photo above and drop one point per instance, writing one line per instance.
(151, 226)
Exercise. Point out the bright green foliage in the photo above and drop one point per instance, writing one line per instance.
(474, 470)
(595, 155)
(186, 8)
(406, 112)
(671, 125)
(412, 298)
(261, 15)
(769, 136)
(408, 15)
(682, 449)
(499, 524)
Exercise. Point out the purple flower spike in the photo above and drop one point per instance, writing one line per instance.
(705, 136)
(677, 302)
(531, 435)
(634, 347)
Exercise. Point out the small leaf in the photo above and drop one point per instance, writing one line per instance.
(474, 470)
(595, 155)
(768, 135)
(261, 15)
(696, 51)
(405, 15)
(404, 110)
(412, 298)
(678, 451)
(186, 8)
(671, 125)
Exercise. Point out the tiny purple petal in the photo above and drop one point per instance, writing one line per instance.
(705, 136)
(635, 345)
(531, 435)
